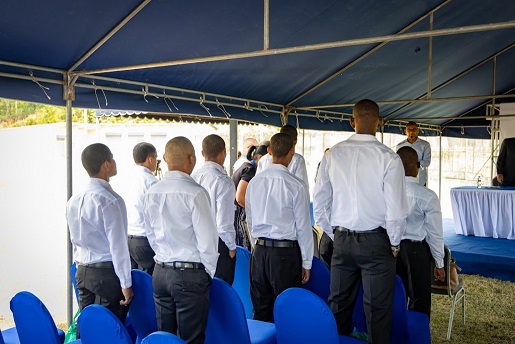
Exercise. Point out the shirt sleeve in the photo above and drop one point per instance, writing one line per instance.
(301, 171)
(248, 210)
(303, 227)
(116, 231)
(225, 213)
(204, 227)
(323, 199)
(396, 200)
(425, 160)
(433, 224)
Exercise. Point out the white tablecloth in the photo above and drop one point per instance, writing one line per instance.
(485, 212)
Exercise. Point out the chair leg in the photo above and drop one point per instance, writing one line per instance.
(463, 306)
(451, 318)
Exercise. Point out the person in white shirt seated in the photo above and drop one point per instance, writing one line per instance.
(423, 239)
(145, 157)
(181, 229)
(97, 220)
(297, 166)
(247, 143)
(277, 207)
(219, 185)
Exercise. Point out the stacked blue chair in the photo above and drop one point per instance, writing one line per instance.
(320, 279)
(227, 323)
(142, 310)
(301, 317)
(98, 325)
(9, 336)
(160, 337)
(242, 279)
(34, 323)
(408, 327)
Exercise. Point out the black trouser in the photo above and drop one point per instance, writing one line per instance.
(100, 286)
(414, 268)
(363, 257)
(272, 270)
(141, 253)
(326, 249)
(182, 302)
(226, 265)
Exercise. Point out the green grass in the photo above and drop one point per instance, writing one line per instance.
(489, 313)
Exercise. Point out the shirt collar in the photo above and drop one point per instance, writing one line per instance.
(278, 167)
(215, 165)
(100, 182)
(410, 179)
(176, 175)
(143, 169)
(363, 137)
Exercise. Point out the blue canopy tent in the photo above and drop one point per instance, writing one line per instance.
(440, 63)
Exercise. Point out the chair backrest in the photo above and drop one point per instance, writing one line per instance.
(33, 320)
(160, 337)
(226, 322)
(97, 324)
(1, 338)
(303, 317)
(9, 336)
(445, 286)
(241, 281)
(73, 271)
(399, 332)
(320, 279)
(142, 311)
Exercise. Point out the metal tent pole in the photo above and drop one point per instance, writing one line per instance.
(233, 139)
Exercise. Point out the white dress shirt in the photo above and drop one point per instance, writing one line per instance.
(424, 219)
(141, 181)
(179, 222)
(423, 149)
(237, 164)
(297, 166)
(222, 193)
(97, 219)
(360, 186)
(277, 207)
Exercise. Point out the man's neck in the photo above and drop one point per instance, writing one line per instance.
(412, 140)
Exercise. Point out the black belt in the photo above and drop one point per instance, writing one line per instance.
(101, 265)
(413, 241)
(137, 236)
(276, 243)
(377, 230)
(182, 265)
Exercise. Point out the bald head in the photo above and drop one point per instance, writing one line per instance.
(365, 117)
(409, 160)
(247, 143)
(180, 155)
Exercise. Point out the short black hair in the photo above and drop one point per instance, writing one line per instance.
(142, 151)
(212, 145)
(290, 130)
(280, 144)
(93, 156)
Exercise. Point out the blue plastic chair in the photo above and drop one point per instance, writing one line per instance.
(227, 323)
(33, 320)
(242, 279)
(9, 336)
(98, 324)
(161, 337)
(142, 310)
(320, 279)
(301, 317)
(408, 327)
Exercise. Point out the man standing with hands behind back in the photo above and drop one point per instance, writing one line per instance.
(360, 196)
(182, 231)
(422, 147)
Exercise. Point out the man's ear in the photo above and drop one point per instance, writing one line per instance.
(352, 123)
(380, 120)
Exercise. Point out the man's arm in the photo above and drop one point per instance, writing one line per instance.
(434, 229)
(425, 159)
(300, 171)
(225, 213)
(303, 228)
(323, 199)
(204, 227)
(396, 200)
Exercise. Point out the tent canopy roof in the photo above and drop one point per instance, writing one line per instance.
(435, 62)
